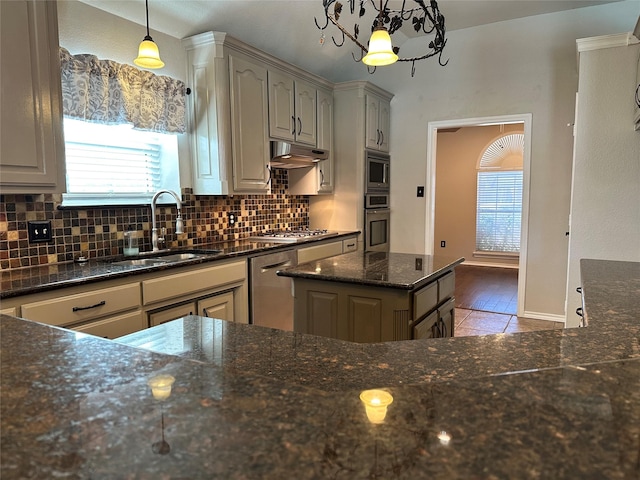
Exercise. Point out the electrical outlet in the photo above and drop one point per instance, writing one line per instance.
(39, 231)
(233, 219)
(443, 244)
(420, 192)
(418, 264)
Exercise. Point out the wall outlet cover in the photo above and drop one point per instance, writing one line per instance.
(39, 231)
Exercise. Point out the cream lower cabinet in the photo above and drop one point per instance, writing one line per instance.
(117, 307)
(325, 250)
(107, 312)
(114, 327)
(217, 291)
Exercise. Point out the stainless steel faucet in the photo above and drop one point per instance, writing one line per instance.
(154, 229)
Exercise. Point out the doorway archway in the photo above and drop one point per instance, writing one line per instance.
(432, 140)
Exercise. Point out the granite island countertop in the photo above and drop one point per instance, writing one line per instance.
(376, 269)
(29, 280)
(251, 402)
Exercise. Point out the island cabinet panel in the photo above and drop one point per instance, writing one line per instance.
(425, 300)
(322, 315)
(365, 319)
(446, 314)
(427, 328)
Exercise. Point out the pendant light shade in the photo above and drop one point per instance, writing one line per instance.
(148, 53)
(380, 49)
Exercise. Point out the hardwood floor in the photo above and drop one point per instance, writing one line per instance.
(487, 300)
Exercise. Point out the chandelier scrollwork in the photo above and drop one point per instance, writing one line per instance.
(424, 18)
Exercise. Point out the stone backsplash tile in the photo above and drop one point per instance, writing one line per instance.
(99, 232)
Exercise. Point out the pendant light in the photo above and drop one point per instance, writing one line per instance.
(380, 51)
(148, 53)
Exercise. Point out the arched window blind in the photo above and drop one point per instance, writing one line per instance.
(499, 195)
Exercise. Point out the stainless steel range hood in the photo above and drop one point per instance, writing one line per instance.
(293, 155)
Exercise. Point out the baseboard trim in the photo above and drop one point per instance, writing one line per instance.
(543, 316)
(487, 264)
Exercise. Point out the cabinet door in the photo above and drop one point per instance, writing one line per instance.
(305, 108)
(364, 319)
(446, 314)
(427, 328)
(250, 120)
(372, 130)
(325, 141)
(321, 315)
(32, 149)
(219, 306)
(384, 125)
(282, 119)
(171, 313)
(115, 326)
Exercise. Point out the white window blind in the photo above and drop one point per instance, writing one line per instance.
(114, 164)
(499, 211)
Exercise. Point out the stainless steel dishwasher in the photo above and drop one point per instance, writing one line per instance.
(270, 295)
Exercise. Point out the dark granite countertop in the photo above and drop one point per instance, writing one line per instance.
(252, 402)
(377, 269)
(24, 281)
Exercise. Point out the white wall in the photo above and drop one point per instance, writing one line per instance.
(519, 66)
(605, 204)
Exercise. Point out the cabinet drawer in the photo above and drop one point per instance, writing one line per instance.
(181, 284)
(9, 311)
(309, 254)
(83, 307)
(349, 245)
(116, 326)
(424, 329)
(425, 300)
(446, 286)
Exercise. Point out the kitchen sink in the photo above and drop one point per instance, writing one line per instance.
(153, 259)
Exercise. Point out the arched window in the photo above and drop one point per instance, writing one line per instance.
(499, 195)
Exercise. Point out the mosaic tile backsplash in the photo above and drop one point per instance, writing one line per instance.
(99, 232)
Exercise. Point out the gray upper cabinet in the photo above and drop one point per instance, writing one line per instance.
(249, 117)
(228, 116)
(31, 105)
(292, 109)
(378, 121)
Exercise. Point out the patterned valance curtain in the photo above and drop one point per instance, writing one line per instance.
(104, 91)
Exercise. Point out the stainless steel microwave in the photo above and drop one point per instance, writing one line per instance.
(377, 171)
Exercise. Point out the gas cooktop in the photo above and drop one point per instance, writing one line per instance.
(291, 236)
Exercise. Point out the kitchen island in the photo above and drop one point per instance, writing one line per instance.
(371, 297)
(252, 402)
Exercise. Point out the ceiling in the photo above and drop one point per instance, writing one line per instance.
(287, 30)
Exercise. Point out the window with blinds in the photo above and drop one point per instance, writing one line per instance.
(499, 211)
(117, 165)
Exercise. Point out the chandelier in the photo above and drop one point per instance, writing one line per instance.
(379, 51)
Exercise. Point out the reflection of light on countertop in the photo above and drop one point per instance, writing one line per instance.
(161, 386)
(444, 437)
(375, 404)
(318, 270)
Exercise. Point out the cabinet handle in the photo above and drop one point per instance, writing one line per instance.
(299, 126)
(381, 137)
(269, 179)
(350, 245)
(579, 312)
(321, 177)
(444, 328)
(78, 309)
(579, 290)
(377, 137)
(293, 122)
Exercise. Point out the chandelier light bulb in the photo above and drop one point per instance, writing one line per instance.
(380, 49)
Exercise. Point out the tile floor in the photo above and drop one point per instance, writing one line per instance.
(474, 322)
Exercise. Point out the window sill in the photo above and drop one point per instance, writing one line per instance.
(497, 255)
